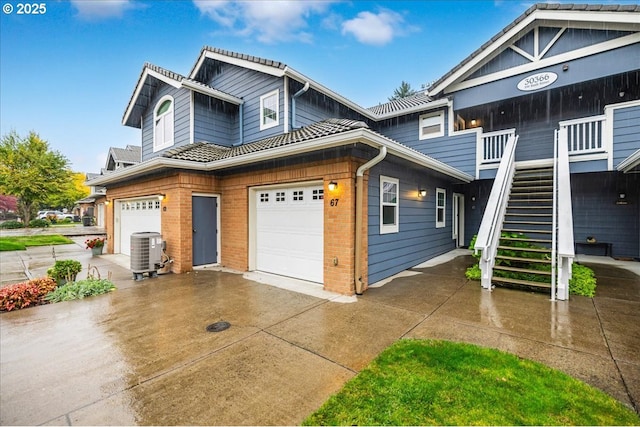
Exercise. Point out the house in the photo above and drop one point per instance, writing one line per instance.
(252, 165)
(94, 204)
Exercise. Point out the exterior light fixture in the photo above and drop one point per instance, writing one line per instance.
(333, 185)
(473, 122)
(422, 192)
(107, 202)
(161, 197)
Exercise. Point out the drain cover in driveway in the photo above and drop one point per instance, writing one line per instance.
(218, 326)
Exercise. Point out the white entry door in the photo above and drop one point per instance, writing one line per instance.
(290, 231)
(137, 216)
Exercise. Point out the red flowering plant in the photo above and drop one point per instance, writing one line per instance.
(26, 294)
(96, 242)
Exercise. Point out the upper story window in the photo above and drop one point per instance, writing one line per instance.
(432, 125)
(389, 205)
(269, 115)
(163, 123)
(441, 205)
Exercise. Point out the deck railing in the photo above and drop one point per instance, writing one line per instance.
(584, 135)
(489, 233)
(493, 144)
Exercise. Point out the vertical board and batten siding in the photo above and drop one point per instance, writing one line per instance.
(418, 239)
(626, 133)
(213, 121)
(476, 196)
(313, 106)
(595, 212)
(250, 85)
(458, 151)
(181, 117)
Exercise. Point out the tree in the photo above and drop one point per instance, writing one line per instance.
(31, 171)
(402, 91)
(73, 190)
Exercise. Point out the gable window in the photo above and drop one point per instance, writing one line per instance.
(441, 204)
(432, 125)
(269, 116)
(389, 205)
(163, 123)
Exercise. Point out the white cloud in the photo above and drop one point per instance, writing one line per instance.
(268, 21)
(375, 29)
(102, 9)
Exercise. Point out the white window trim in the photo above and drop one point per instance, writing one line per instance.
(156, 145)
(389, 228)
(439, 118)
(443, 223)
(276, 122)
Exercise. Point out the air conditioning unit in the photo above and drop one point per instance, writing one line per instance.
(146, 254)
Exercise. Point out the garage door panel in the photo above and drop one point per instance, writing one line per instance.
(290, 232)
(137, 216)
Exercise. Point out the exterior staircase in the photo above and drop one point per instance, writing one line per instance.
(525, 244)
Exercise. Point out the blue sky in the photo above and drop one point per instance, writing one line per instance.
(69, 72)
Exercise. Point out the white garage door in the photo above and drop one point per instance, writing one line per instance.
(289, 232)
(136, 216)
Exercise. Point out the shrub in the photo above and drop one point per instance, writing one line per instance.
(473, 272)
(12, 224)
(66, 270)
(583, 281)
(80, 289)
(25, 294)
(38, 223)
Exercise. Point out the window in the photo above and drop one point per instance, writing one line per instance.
(163, 123)
(318, 194)
(298, 196)
(432, 125)
(280, 196)
(269, 116)
(264, 197)
(441, 204)
(389, 205)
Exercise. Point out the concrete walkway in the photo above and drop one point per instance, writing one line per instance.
(142, 354)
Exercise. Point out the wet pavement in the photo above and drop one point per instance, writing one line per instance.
(142, 355)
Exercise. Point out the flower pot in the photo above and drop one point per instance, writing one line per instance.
(96, 250)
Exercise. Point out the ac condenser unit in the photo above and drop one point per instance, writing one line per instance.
(146, 254)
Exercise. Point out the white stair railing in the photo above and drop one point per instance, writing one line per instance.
(488, 236)
(563, 217)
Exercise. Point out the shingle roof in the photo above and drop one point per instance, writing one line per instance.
(245, 57)
(397, 105)
(131, 154)
(207, 152)
(532, 9)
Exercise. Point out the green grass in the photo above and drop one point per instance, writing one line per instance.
(20, 243)
(443, 383)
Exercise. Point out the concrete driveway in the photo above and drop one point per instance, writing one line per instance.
(143, 355)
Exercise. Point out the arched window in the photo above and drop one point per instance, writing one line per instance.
(163, 123)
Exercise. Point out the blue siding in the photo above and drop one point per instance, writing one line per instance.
(250, 85)
(626, 133)
(595, 212)
(574, 38)
(458, 151)
(214, 121)
(181, 116)
(417, 240)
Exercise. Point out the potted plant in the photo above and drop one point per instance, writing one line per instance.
(64, 271)
(96, 244)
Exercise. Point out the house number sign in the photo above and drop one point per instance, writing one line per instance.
(537, 81)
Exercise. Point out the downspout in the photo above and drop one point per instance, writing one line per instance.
(241, 125)
(359, 199)
(293, 103)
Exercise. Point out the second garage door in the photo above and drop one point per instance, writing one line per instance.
(290, 231)
(137, 216)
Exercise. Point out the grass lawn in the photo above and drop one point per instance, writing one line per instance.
(20, 243)
(416, 382)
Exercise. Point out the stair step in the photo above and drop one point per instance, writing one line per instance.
(531, 193)
(537, 215)
(527, 260)
(535, 170)
(514, 230)
(510, 221)
(526, 182)
(531, 200)
(522, 239)
(526, 283)
(521, 270)
(516, 248)
(528, 207)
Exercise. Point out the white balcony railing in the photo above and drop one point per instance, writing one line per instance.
(584, 135)
(493, 144)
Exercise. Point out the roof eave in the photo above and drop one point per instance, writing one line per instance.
(364, 136)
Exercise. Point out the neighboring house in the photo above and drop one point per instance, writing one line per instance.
(250, 164)
(95, 204)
